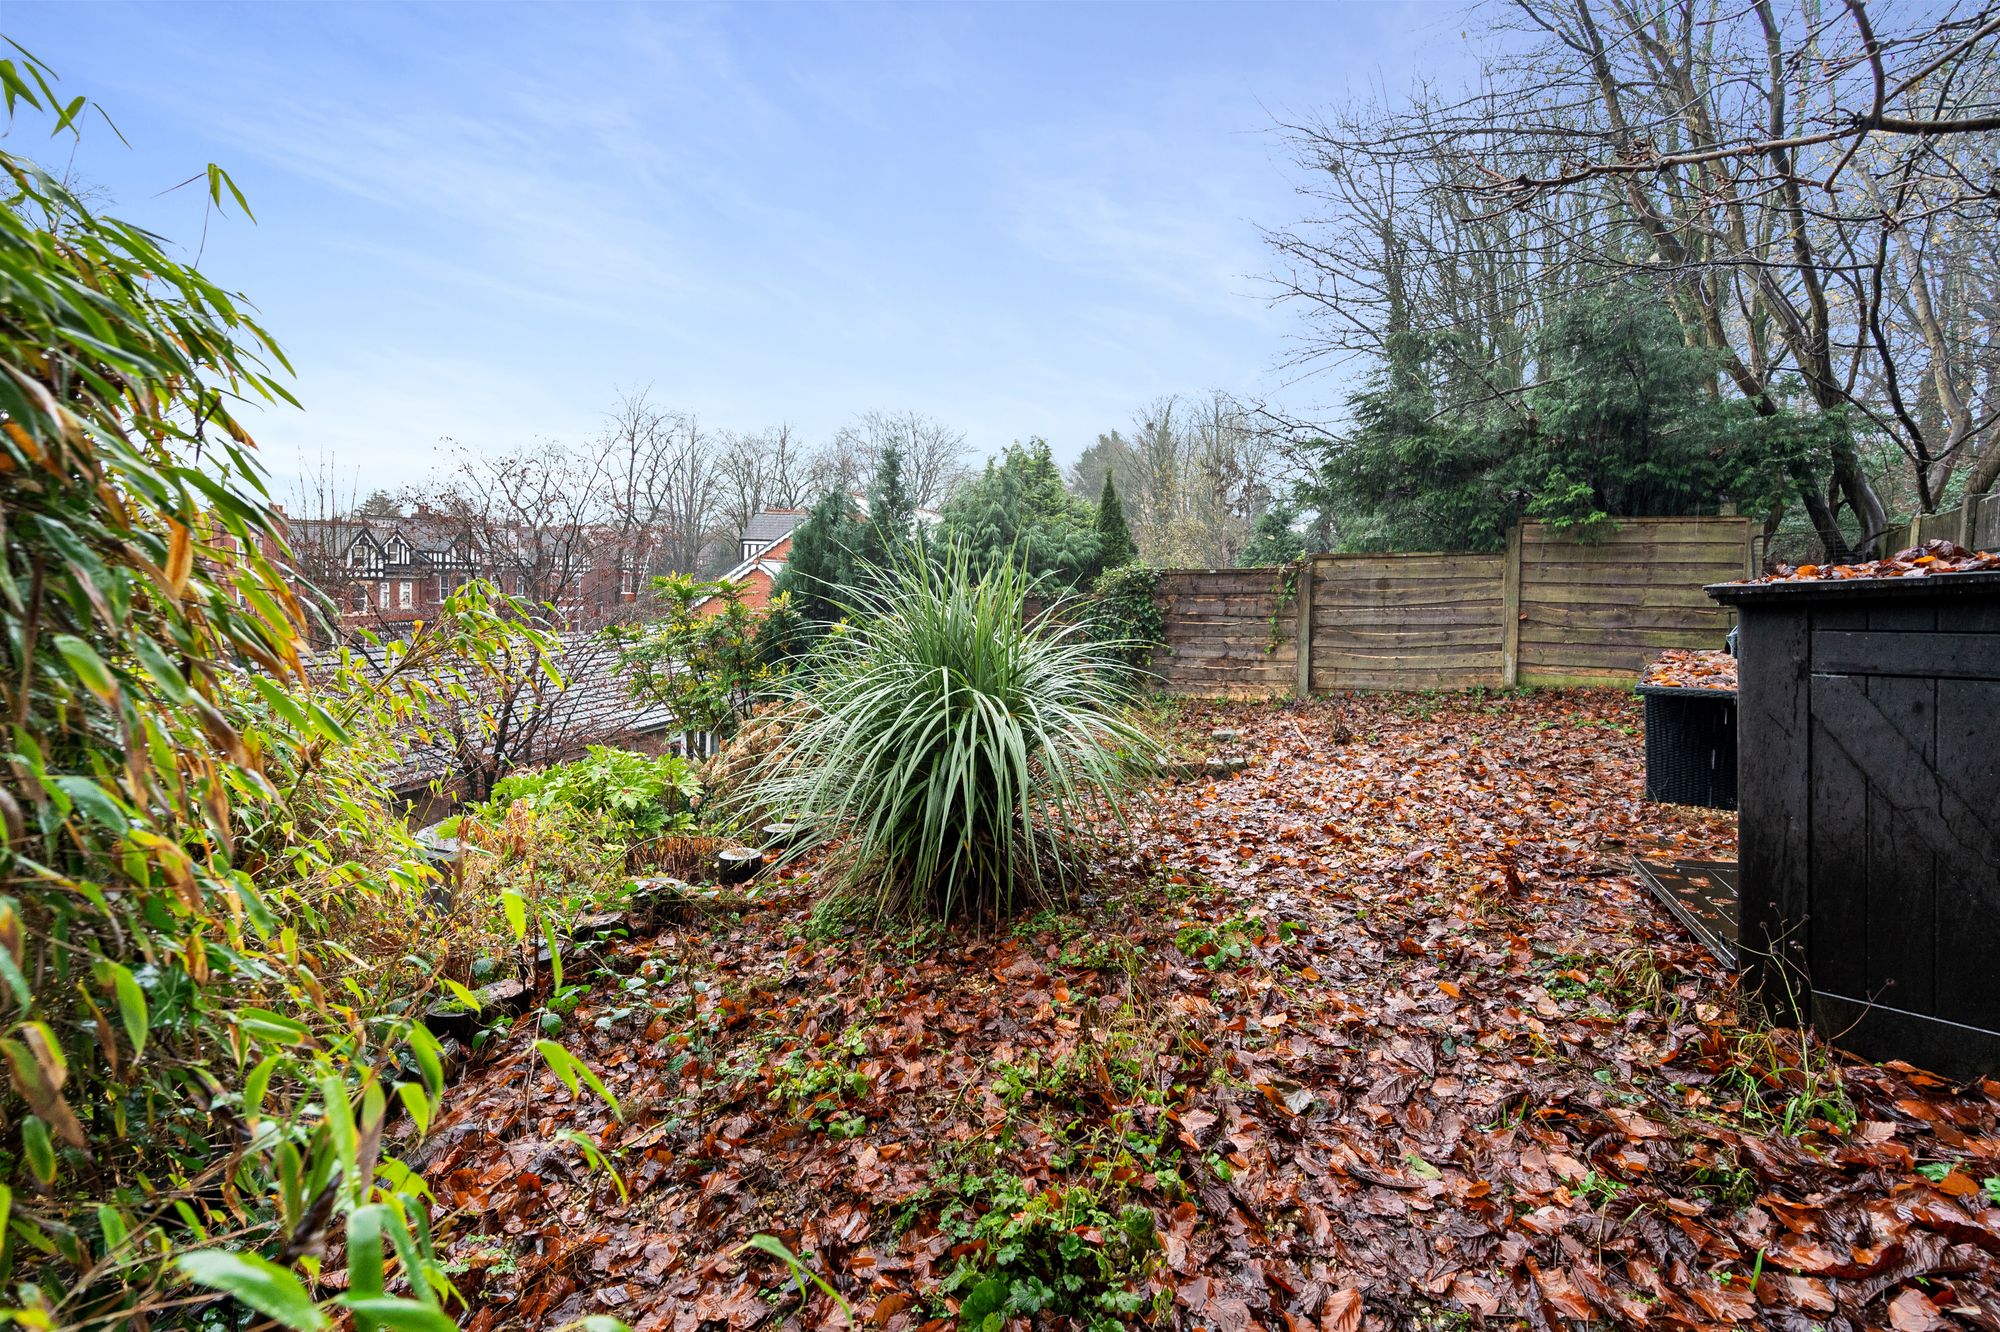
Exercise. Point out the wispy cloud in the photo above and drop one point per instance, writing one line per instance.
(478, 221)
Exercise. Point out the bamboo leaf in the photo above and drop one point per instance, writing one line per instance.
(40, 1149)
(571, 1069)
(87, 665)
(132, 1010)
(256, 1283)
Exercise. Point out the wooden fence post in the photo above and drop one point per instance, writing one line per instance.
(1510, 612)
(1302, 598)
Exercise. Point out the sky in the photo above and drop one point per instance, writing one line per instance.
(484, 223)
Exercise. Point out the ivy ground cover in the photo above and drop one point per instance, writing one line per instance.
(1379, 1032)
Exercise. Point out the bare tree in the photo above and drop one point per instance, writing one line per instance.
(744, 466)
(788, 468)
(693, 491)
(534, 516)
(1860, 87)
(933, 454)
(765, 470)
(521, 703)
(1792, 182)
(632, 496)
(1195, 474)
(320, 526)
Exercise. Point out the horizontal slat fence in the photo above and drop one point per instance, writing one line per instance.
(1406, 621)
(1551, 610)
(1596, 613)
(1230, 633)
(1974, 523)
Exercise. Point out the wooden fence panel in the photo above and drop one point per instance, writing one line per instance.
(1421, 621)
(1933, 527)
(1974, 523)
(1548, 611)
(1230, 633)
(1595, 613)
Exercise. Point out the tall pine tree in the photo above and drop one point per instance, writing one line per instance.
(892, 514)
(1115, 548)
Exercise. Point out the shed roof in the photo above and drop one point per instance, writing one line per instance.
(594, 705)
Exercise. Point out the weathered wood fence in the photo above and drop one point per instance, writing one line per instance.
(1975, 523)
(1549, 611)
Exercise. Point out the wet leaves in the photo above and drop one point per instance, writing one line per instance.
(1688, 668)
(1933, 557)
(1451, 1064)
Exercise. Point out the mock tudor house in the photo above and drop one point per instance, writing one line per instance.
(387, 572)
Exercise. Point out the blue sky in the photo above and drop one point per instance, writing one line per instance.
(484, 222)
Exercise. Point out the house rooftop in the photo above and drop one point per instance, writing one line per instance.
(767, 525)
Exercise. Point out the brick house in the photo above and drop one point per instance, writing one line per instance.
(766, 546)
(763, 548)
(386, 572)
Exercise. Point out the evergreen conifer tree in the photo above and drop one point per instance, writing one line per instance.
(1114, 539)
(892, 515)
(1019, 509)
(819, 574)
(1274, 540)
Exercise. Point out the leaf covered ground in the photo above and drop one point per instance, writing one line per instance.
(1379, 1032)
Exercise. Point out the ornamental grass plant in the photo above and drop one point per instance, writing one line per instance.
(959, 761)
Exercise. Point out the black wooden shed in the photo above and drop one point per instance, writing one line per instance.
(1869, 810)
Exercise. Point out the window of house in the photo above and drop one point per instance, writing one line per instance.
(361, 598)
(405, 595)
(382, 600)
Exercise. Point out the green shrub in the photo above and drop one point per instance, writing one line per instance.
(699, 654)
(1125, 616)
(955, 752)
(1055, 1251)
(637, 796)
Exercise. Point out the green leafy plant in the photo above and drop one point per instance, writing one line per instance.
(1285, 595)
(698, 654)
(772, 1246)
(639, 795)
(956, 753)
(213, 933)
(1056, 1251)
(1226, 945)
(816, 1086)
(1124, 615)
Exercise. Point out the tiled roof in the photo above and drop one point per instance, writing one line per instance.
(429, 538)
(772, 524)
(593, 706)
